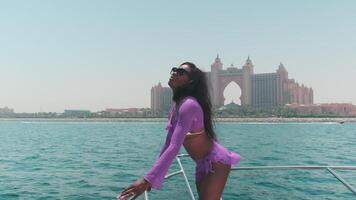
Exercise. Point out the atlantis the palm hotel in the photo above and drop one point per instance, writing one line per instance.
(257, 90)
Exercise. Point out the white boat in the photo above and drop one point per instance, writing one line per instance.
(302, 167)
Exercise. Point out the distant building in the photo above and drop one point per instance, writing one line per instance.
(292, 92)
(346, 109)
(6, 110)
(77, 113)
(303, 109)
(340, 109)
(161, 98)
(123, 112)
(259, 90)
(266, 90)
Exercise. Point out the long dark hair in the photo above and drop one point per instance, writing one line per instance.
(198, 88)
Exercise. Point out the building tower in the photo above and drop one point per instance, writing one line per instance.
(156, 92)
(216, 67)
(161, 98)
(247, 70)
(283, 81)
(283, 74)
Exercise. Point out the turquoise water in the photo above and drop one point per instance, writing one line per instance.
(95, 160)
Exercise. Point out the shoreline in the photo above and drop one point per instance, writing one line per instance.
(233, 119)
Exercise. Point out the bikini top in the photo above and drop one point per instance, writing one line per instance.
(197, 117)
(197, 133)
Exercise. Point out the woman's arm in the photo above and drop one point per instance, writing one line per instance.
(185, 115)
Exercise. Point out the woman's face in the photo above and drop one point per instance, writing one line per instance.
(179, 77)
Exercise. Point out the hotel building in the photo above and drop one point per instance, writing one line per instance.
(257, 90)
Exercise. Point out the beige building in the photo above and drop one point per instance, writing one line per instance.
(161, 98)
(259, 90)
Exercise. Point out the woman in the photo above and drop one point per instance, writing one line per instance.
(190, 125)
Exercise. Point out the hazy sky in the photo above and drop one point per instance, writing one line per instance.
(66, 54)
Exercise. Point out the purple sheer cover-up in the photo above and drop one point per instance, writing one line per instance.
(189, 117)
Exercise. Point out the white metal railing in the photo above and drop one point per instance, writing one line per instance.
(328, 168)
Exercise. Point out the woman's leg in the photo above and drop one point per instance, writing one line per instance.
(199, 182)
(212, 186)
(199, 186)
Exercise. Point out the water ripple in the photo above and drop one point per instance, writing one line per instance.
(82, 160)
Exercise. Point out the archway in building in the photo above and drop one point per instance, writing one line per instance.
(232, 93)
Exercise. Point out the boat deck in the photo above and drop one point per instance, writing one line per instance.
(330, 169)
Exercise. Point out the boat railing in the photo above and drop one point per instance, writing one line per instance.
(330, 169)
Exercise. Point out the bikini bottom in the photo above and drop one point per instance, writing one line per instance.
(218, 153)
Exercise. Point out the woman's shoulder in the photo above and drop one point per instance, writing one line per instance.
(189, 102)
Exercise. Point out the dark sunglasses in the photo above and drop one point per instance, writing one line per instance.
(179, 71)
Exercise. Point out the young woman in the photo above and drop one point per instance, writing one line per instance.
(190, 125)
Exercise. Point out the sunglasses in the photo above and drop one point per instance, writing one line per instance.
(179, 71)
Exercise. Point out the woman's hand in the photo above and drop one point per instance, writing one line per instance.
(136, 189)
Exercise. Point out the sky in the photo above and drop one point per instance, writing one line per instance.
(64, 54)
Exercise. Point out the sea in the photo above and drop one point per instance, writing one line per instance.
(51, 159)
